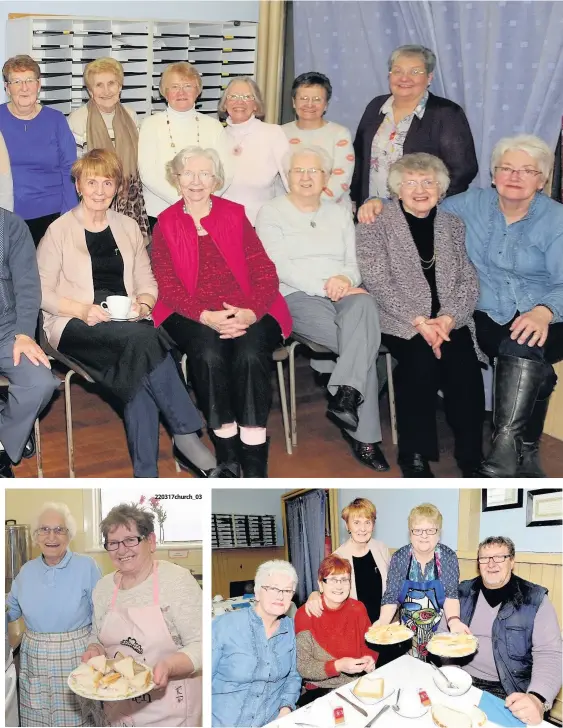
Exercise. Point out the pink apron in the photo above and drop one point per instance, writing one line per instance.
(141, 632)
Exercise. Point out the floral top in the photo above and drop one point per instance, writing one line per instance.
(387, 145)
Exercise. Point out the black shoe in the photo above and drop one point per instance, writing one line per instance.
(344, 407)
(414, 465)
(254, 460)
(367, 453)
(186, 464)
(227, 452)
(5, 465)
(29, 449)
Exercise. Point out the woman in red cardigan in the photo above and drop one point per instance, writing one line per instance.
(219, 300)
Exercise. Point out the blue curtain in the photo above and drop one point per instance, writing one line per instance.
(306, 537)
(501, 61)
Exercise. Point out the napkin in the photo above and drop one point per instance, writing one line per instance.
(495, 711)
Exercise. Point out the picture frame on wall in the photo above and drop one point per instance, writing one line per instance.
(544, 507)
(500, 499)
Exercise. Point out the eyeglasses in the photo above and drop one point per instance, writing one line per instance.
(176, 87)
(20, 82)
(334, 580)
(412, 184)
(411, 72)
(427, 531)
(279, 592)
(188, 175)
(129, 542)
(241, 97)
(46, 531)
(526, 172)
(498, 559)
(310, 170)
(311, 100)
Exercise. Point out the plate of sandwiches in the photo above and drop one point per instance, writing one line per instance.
(388, 634)
(448, 644)
(370, 690)
(111, 679)
(446, 717)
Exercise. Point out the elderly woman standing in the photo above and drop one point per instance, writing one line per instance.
(254, 149)
(149, 610)
(88, 254)
(423, 581)
(411, 119)
(311, 94)
(164, 134)
(219, 301)
(41, 148)
(53, 593)
(105, 123)
(413, 261)
(312, 244)
(254, 672)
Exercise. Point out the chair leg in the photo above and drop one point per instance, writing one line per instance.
(184, 368)
(292, 395)
(391, 391)
(68, 413)
(38, 453)
(283, 402)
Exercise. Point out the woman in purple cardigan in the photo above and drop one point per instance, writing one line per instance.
(413, 262)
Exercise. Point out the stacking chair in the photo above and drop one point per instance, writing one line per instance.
(4, 384)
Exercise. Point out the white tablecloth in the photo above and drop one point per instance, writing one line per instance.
(407, 673)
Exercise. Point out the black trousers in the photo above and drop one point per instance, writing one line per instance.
(419, 376)
(310, 695)
(38, 226)
(495, 688)
(231, 377)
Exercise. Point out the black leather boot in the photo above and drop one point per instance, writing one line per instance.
(227, 452)
(5, 465)
(530, 465)
(414, 465)
(344, 407)
(255, 460)
(29, 449)
(517, 383)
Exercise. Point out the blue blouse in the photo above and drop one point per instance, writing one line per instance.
(399, 566)
(253, 677)
(54, 598)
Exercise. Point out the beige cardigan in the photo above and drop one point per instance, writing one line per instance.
(65, 267)
(381, 557)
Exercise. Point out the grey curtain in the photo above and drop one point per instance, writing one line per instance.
(306, 538)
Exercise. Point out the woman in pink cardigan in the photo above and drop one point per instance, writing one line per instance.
(91, 253)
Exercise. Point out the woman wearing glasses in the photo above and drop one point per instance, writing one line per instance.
(41, 148)
(254, 677)
(150, 610)
(220, 303)
(423, 582)
(311, 94)
(252, 149)
(413, 261)
(410, 119)
(165, 133)
(331, 649)
(53, 594)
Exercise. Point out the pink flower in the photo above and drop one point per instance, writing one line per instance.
(143, 499)
(153, 501)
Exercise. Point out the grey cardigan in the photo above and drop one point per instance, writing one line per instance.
(391, 271)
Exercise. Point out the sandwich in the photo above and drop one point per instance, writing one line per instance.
(367, 687)
(477, 716)
(445, 717)
(116, 678)
(141, 680)
(98, 663)
(125, 668)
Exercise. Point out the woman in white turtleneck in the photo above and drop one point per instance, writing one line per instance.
(166, 133)
(251, 149)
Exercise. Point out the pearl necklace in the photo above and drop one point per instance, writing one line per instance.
(170, 130)
(198, 226)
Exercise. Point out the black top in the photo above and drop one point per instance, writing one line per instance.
(107, 264)
(495, 597)
(368, 584)
(443, 131)
(422, 231)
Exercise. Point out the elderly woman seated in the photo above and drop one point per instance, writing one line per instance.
(53, 594)
(92, 253)
(313, 246)
(413, 261)
(150, 610)
(331, 649)
(219, 301)
(254, 674)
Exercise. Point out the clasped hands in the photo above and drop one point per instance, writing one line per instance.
(340, 286)
(435, 331)
(230, 323)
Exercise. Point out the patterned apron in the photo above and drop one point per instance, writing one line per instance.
(141, 632)
(420, 608)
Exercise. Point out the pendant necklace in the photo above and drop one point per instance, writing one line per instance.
(170, 130)
(312, 222)
(198, 226)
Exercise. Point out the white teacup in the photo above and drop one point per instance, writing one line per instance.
(118, 306)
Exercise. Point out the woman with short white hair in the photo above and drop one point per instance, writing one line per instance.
(53, 594)
(312, 244)
(254, 670)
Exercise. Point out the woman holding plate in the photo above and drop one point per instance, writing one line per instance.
(423, 582)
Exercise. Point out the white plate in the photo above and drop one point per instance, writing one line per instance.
(76, 689)
(455, 675)
(373, 701)
(412, 710)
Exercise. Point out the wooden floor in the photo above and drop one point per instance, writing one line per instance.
(101, 450)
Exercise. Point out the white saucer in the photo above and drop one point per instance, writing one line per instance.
(131, 317)
(412, 710)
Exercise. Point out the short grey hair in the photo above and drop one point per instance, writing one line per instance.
(498, 541)
(63, 510)
(260, 112)
(428, 56)
(322, 154)
(176, 165)
(126, 514)
(418, 162)
(532, 145)
(276, 566)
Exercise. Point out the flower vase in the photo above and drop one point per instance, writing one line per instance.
(161, 533)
